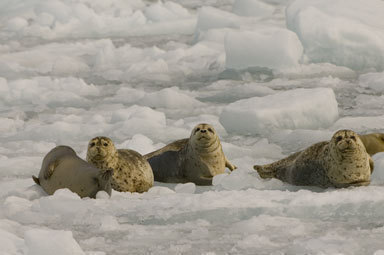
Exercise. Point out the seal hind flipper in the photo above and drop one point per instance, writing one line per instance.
(264, 172)
(50, 169)
(371, 164)
(106, 174)
(37, 181)
(174, 146)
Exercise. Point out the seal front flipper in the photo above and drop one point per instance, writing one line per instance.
(50, 169)
(229, 165)
(37, 181)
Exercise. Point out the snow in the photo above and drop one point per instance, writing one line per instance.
(294, 109)
(272, 76)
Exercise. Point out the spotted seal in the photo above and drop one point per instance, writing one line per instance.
(340, 162)
(62, 168)
(374, 143)
(131, 172)
(196, 159)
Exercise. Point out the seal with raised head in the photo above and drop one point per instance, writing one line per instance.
(340, 162)
(374, 143)
(131, 171)
(196, 159)
(62, 168)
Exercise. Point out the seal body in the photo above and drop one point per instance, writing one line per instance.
(62, 168)
(341, 162)
(131, 171)
(196, 159)
(374, 143)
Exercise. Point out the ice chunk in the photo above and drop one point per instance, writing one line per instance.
(360, 124)
(342, 32)
(298, 108)
(273, 48)
(236, 180)
(47, 91)
(170, 98)
(109, 223)
(374, 81)
(189, 188)
(139, 143)
(10, 243)
(210, 18)
(166, 12)
(158, 190)
(378, 173)
(138, 119)
(48, 242)
(252, 8)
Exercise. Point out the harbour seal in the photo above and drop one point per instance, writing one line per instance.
(62, 168)
(340, 162)
(374, 143)
(131, 172)
(196, 159)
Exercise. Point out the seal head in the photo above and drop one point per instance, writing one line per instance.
(348, 161)
(131, 172)
(195, 159)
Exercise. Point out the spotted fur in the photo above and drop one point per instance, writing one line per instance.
(132, 173)
(341, 162)
(196, 159)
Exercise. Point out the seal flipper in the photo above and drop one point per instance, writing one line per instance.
(37, 181)
(50, 169)
(203, 180)
(229, 165)
(174, 146)
(106, 174)
(371, 164)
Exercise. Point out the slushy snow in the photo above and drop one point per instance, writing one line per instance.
(272, 76)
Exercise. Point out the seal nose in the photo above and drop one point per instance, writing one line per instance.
(203, 131)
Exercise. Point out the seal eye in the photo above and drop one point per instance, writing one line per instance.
(353, 138)
(92, 144)
(197, 130)
(105, 144)
(210, 130)
(339, 138)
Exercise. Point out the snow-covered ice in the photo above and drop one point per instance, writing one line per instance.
(331, 32)
(272, 77)
(293, 109)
